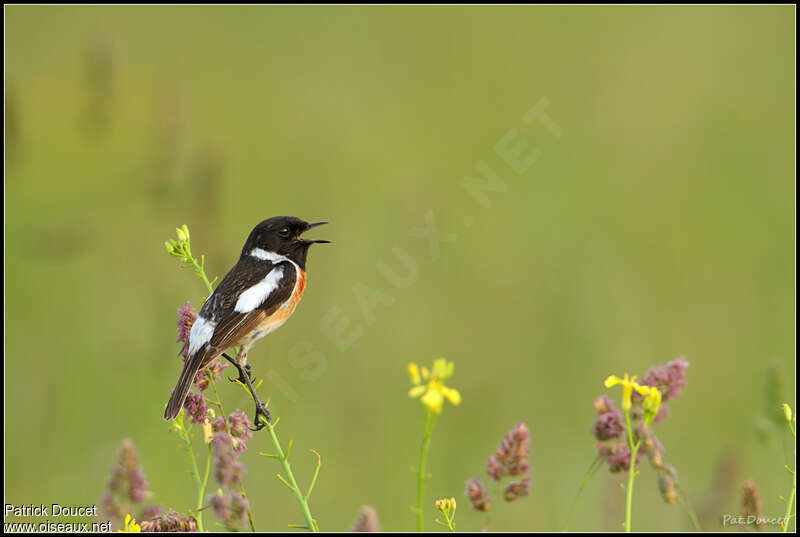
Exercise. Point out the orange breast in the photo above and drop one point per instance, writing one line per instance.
(280, 316)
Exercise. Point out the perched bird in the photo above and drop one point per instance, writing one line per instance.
(254, 298)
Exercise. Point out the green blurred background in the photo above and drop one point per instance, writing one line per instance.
(660, 223)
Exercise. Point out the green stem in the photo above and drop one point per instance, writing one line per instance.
(789, 503)
(423, 458)
(451, 525)
(631, 471)
(202, 488)
(688, 507)
(589, 474)
(196, 473)
(199, 270)
(311, 524)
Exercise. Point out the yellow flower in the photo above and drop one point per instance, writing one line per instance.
(208, 434)
(130, 525)
(652, 397)
(433, 391)
(628, 385)
(787, 411)
(413, 372)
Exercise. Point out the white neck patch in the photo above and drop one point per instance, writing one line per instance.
(260, 253)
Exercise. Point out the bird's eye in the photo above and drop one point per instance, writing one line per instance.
(284, 232)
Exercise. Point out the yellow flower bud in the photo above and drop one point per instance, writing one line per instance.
(651, 403)
(208, 435)
(183, 233)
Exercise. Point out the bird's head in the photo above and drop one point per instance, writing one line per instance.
(281, 235)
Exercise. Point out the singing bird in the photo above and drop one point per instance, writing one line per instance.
(254, 299)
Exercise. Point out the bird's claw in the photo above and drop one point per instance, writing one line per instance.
(261, 410)
(242, 372)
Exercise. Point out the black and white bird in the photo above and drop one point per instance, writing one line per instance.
(254, 299)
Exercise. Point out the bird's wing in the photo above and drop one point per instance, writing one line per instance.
(244, 298)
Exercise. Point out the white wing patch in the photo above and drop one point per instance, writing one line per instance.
(256, 295)
(260, 253)
(201, 333)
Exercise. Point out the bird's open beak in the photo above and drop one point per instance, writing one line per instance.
(312, 241)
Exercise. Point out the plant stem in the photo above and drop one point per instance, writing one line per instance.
(451, 521)
(202, 489)
(789, 503)
(589, 474)
(311, 524)
(688, 507)
(631, 471)
(789, 506)
(199, 270)
(184, 434)
(423, 458)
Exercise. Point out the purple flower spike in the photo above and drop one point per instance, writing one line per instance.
(186, 317)
(226, 467)
(669, 378)
(511, 456)
(230, 507)
(517, 489)
(608, 425)
(195, 405)
(618, 457)
(169, 522)
(478, 495)
(495, 469)
(213, 371)
(221, 503)
(240, 430)
(367, 521)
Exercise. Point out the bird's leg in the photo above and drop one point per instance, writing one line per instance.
(241, 362)
(244, 377)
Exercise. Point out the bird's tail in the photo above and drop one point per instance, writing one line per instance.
(190, 368)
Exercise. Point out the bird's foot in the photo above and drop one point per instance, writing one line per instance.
(242, 372)
(261, 411)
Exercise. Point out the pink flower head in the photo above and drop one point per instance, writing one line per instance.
(511, 456)
(669, 378)
(478, 495)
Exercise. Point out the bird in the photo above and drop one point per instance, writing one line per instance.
(255, 298)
